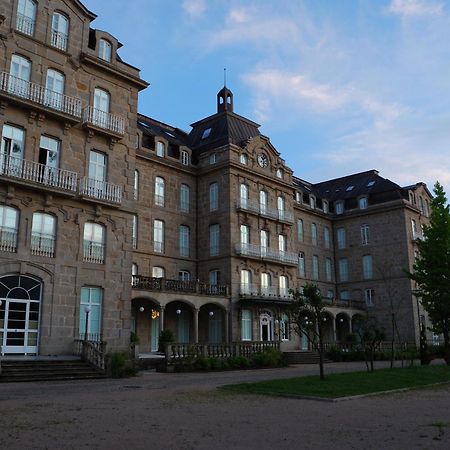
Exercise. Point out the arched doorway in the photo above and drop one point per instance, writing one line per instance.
(211, 324)
(20, 298)
(266, 326)
(146, 323)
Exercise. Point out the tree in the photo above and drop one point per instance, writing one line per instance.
(307, 314)
(431, 271)
(370, 335)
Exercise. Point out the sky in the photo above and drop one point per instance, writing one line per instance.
(338, 86)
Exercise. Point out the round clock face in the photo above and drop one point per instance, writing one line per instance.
(263, 161)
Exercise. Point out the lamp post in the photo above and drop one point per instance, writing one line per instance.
(87, 310)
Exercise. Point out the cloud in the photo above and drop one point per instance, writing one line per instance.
(194, 8)
(415, 7)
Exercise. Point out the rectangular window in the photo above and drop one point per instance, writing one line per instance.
(301, 265)
(213, 197)
(12, 149)
(97, 166)
(91, 300)
(284, 286)
(263, 202)
(328, 269)
(136, 185)
(326, 237)
(264, 242)
(300, 230)
(339, 207)
(343, 269)
(281, 207)
(184, 241)
(246, 325)
(94, 243)
(158, 272)
(341, 244)
(369, 296)
(214, 277)
(363, 203)
(414, 229)
(43, 235)
(160, 149)
(367, 267)
(313, 234)
(315, 267)
(365, 234)
(158, 236)
(245, 236)
(345, 296)
(134, 232)
(245, 282)
(184, 198)
(60, 31)
(244, 196)
(282, 243)
(184, 158)
(160, 191)
(214, 239)
(325, 206)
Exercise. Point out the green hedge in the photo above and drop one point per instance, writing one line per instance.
(339, 355)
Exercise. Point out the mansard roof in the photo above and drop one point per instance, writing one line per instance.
(224, 128)
(152, 127)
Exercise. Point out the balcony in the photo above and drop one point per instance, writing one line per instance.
(100, 191)
(32, 94)
(103, 122)
(25, 24)
(258, 252)
(42, 245)
(8, 240)
(268, 292)
(59, 40)
(27, 172)
(93, 252)
(186, 287)
(264, 211)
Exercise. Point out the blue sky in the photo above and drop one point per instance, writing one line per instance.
(338, 86)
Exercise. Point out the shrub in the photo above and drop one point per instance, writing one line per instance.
(120, 365)
(134, 338)
(202, 363)
(269, 357)
(165, 337)
(238, 362)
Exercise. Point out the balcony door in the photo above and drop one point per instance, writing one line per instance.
(11, 153)
(100, 116)
(54, 93)
(97, 174)
(266, 326)
(19, 79)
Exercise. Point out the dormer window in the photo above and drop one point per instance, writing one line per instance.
(325, 206)
(339, 207)
(371, 183)
(298, 197)
(363, 203)
(350, 188)
(206, 133)
(312, 202)
(280, 173)
(184, 157)
(160, 149)
(212, 158)
(243, 158)
(104, 50)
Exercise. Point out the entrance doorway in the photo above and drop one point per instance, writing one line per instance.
(20, 298)
(154, 330)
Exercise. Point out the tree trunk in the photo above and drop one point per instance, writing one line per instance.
(321, 349)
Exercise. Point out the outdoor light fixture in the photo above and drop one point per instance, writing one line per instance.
(178, 311)
(341, 319)
(141, 309)
(211, 313)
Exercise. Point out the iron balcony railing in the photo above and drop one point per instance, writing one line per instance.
(8, 240)
(25, 24)
(101, 190)
(40, 95)
(59, 40)
(168, 285)
(258, 252)
(93, 252)
(25, 170)
(262, 209)
(104, 120)
(254, 290)
(42, 245)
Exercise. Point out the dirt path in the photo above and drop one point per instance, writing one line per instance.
(185, 411)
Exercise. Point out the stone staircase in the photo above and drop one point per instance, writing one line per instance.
(302, 357)
(47, 370)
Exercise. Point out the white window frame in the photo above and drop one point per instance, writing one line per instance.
(365, 234)
(158, 272)
(9, 228)
(105, 50)
(60, 30)
(94, 242)
(160, 149)
(160, 191)
(184, 156)
(246, 325)
(43, 234)
(158, 236)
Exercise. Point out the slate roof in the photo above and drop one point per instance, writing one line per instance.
(226, 128)
(151, 127)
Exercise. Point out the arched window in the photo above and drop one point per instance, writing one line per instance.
(26, 16)
(54, 93)
(94, 243)
(20, 72)
(159, 191)
(104, 50)
(9, 225)
(243, 158)
(43, 235)
(60, 30)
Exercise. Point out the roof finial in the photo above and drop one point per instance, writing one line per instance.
(224, 77)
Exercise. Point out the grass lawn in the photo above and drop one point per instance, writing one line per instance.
(346, 384)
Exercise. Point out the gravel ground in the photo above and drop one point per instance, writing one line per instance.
(186, 411)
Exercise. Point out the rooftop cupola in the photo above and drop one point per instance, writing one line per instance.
(224, 100)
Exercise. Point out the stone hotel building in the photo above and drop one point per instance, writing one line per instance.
(112, 222)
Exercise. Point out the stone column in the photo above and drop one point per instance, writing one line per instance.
(334, 330)
(161, 318)
(196, 311)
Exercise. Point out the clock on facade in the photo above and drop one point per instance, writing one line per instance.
(263, 161)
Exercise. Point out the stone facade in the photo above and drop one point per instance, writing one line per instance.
(204, 233)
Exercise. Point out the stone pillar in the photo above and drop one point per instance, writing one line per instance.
(196, 311)
(161, 318)
(334, 330)
(227, 325)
